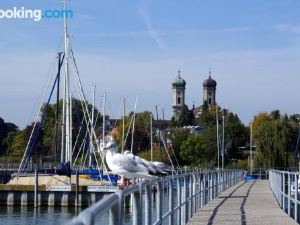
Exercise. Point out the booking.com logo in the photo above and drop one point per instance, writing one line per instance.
(35, 14)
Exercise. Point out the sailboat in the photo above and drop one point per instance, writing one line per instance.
(66, 165)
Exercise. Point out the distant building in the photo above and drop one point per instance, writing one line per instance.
(193, 129)
(209, 95)
(178, 89)
(209, 90)
(178, 93)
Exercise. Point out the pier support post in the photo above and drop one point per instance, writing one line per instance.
(137, 212)
(179, 200)
(148, 204)
(159, 200)
(36, 188)
(77, 189)
(171, 202)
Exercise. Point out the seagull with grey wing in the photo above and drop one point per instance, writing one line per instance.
(124, 165)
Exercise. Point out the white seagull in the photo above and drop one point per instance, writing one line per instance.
(140, 161)
(163, 166)
(123, 165)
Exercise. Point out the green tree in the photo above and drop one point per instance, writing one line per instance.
(200, 150)
(8, 142)
(236, 135)
(208, 117)
(179, 136)
(141, 139)
(186, 117)
(275, 143)
(3, 134)
(275, 114)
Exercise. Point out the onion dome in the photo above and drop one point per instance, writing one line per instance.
(179, 82)
(210, 83)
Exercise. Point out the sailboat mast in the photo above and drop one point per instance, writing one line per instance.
(133, 125)
(103, 126)
(218, 144)
(251, 140)
(57, 109)
(92, 127)
(123, 128)
(70, 133)
(151, 137)
(66, 129)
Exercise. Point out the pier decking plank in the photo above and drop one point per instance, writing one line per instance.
(248, 203)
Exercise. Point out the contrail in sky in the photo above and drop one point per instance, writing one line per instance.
(152, 32)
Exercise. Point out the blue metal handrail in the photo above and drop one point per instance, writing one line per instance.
(285, 187)
(193, 189)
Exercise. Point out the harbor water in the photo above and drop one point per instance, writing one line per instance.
(23, 215)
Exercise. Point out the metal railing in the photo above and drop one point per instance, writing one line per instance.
(182, 193)
(286, 188)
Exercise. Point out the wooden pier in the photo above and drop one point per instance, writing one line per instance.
(250, 203)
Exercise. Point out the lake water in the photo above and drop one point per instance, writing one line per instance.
(23, 215)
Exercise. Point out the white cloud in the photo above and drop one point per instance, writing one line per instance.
(291, 28)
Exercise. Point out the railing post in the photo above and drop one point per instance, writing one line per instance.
(148, 204)
(159, 201)
(206, 191)
(179, 200)
(213, 185)
(296, 198)
(222, 180)
(89, 218)
(216, 184)
(184, 211)
(210, 186)
(283, 191)
(171, 201)
(115, 212)
(197, 192)
(77, 190)
(191, 196)
(137, 207)
(201, 190)
(280, 189)
(289, 194)
(36, 188)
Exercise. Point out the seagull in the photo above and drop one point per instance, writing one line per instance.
(152, 165)
(149, 165)
(140, 161)
(163, 166)
(124, 165)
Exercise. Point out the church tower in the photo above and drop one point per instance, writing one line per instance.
(178, 89)
(209, 90)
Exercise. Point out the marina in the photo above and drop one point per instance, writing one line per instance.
(190, 160)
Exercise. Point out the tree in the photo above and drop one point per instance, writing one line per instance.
(21, 140)
(275, 114)
(5, 129)
(179, 136)
(186, 117)
(207, 117)
(3, 134)
(236, 135)
(8, 142)
(141, 139)
(200, 150)
(260, 119)
(275, 142)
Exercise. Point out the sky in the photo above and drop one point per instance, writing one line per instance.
(130, 48)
